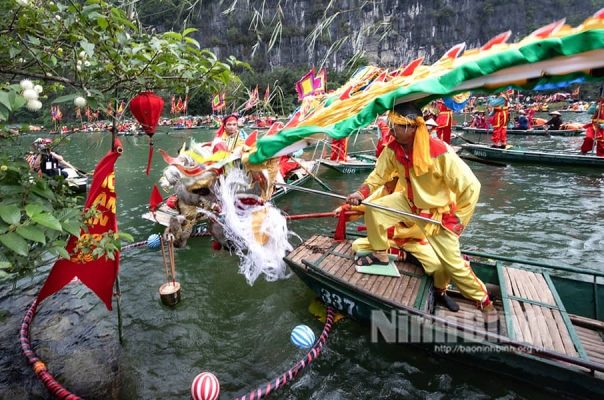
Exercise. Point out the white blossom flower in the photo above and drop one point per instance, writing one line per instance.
(79, 67)
(82, 54)
(87, 63)
(22, 2)
(79, 62)
(26, 84)
(30, 94)
(38, 89)
(34, 105)
(58, 17)
(79, 101)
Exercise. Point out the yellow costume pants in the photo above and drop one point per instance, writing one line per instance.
(422, 251)
(445, 244)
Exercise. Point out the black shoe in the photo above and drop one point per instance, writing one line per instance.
(493, 291)
(446, 301)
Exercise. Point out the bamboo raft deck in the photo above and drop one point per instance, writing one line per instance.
(530, 309)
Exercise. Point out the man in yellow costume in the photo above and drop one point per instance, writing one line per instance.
(435, 183)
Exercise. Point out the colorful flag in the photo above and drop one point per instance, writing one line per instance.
(267, 94)
(305, 85)
(179, 105)
(155, 199)
(173, 105)
(253, 100)
(98, 274)
(218, 102)
(320, 82)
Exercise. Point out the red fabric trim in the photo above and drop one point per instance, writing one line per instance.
(437, 147)
(364, 190)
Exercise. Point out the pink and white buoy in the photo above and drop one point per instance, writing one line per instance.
(205, 386)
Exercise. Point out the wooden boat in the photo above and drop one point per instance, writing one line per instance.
(353, 166)
(550, 330)
(530, 132)
(296, 177)
(513, 154)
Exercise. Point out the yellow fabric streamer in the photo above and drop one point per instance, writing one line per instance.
(422, 162)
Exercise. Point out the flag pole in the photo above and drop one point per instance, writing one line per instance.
(118, 292)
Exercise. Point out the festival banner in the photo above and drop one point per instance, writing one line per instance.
(218, 102)
(98, 274)
(253, 100)
(304, 87)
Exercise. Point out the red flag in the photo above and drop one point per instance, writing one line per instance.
(99, 275)
(155, 199)
(251, 139)
(267, 94)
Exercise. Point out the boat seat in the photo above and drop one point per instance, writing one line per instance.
(534, 312)
(336, 259)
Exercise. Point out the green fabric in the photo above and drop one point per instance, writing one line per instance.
(435, 87)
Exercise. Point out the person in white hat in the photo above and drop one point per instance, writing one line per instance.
(555, 122)
(431, 125)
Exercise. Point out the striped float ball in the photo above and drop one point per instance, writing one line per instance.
(154, 241)
(205, 386)
(303, 337)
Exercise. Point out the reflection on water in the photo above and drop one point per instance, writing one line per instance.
(241, 333)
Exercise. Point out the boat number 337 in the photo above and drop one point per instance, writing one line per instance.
(338, 302)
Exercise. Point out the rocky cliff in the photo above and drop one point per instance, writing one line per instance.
(270, 33)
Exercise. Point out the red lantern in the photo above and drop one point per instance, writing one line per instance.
(147, 107)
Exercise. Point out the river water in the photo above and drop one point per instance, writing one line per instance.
(241, 333)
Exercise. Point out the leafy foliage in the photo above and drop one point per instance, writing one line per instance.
(36, 216)
(95, 50)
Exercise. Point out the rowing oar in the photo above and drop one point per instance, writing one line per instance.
(339, 196)
(320, 215)
(316, 178)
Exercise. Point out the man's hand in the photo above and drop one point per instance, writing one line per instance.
(354, 199)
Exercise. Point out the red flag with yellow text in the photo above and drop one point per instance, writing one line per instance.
(98, 274)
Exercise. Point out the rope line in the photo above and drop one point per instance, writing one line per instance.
(289, 375)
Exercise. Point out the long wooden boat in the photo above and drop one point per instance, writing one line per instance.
(353, 166)
(296, 177)
(514, 155)
(550, 330)
(530, 132)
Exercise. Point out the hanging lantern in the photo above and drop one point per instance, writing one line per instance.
(147, 107)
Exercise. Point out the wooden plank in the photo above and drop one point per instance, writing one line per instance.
(569, 347)
(545, 294)
(586, 322)
(336, 259)
(553, 331)
(393, 291)
(298, 253)
(408, 296)
(399, 290)
(386, 286)
(531, 321)
(517, 328)
(523, 329)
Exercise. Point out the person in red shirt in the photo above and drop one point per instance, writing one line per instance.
(444, 121)
(594, 134)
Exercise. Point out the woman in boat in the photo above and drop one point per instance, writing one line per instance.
(555, 121)
(594, 134)
(434, 175)
(230, 134)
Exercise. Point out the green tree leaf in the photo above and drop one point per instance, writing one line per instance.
(10, 213)
(48, 221)
(31, 233)
(33, 209)
(15, 243)
(72, 227)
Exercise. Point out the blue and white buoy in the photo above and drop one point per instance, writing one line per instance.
(303, 337)
(154, 241)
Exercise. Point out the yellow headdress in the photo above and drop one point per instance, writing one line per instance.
(422, 162)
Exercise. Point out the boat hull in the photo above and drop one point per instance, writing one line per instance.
(412, 319)
(534, 157)
(530, 132)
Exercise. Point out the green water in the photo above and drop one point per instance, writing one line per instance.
(241, 333)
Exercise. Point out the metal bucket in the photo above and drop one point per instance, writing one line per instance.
(170, 293)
